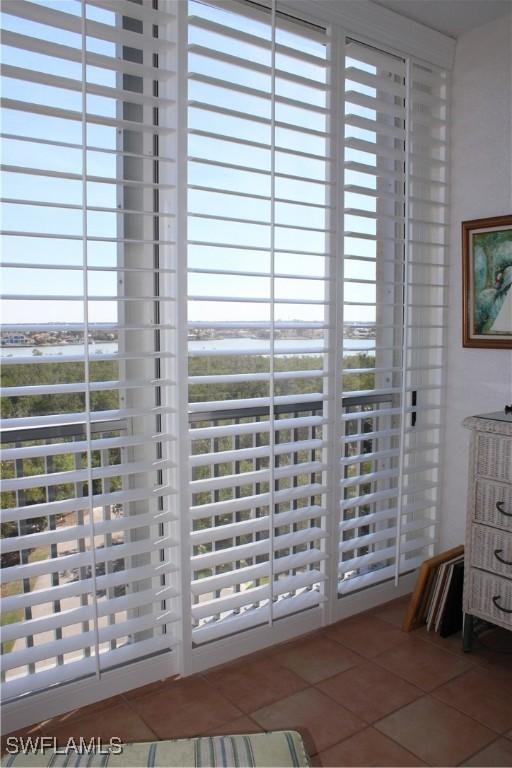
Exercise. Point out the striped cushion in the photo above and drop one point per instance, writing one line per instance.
(279, 748)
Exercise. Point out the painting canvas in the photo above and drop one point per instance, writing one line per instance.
(487, 273)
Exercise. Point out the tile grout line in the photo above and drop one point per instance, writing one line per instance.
(473, 754)
(385, 735)
(470, 717)
(197, 676)
(477, 722)
(127, 702)
(452, 706)
(377, 658)
(421, 693)
(310, 686)
(397, 742)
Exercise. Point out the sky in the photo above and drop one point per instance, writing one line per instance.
(255, 238)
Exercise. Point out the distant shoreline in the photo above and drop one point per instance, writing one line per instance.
(206, 345)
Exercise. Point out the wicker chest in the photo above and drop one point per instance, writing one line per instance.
(488, 554)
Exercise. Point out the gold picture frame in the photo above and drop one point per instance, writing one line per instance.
(487, 283)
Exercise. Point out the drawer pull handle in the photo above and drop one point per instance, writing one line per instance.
(500, 506)
(498, 606)
(497, 553)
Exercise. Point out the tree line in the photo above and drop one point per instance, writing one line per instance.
(18, 406)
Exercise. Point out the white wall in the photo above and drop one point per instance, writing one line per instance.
(478, 380)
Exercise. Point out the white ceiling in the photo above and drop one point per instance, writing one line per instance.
(453, 17)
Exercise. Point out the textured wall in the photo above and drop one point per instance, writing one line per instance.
(478, 380)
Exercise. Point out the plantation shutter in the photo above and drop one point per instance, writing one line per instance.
(394, 303)
(258, 249)
(426, 308)
(315, 334)
(89, 550)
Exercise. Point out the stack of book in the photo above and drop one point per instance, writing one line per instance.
(437, 598)
(444, 613)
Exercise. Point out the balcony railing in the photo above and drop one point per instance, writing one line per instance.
(28, 481)
(52, 481)
(241, 452)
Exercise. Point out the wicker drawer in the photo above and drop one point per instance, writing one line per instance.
(494, 456)
(493, 504)
(491, 550)
(489, 597)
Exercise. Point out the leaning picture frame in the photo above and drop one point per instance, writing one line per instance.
(419, 602)
(487, 282)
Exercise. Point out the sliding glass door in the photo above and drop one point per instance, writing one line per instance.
(88, 347)
(258, 315)
(315, 318)
(223, 242)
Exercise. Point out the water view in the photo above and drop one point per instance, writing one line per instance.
(206, 345)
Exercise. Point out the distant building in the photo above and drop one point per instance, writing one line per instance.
(15, 340)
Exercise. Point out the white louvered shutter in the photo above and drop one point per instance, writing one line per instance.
(394, 293)
(258, 269)
(88, 132)
(313, 233)
(426, 308)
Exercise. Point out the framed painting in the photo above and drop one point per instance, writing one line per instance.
(487, 282)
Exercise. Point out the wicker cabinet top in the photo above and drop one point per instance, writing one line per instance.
(497, 423)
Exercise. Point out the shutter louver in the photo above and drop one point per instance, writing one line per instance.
(394, 290)
(426, 299)
(258, 133)
(89, 551)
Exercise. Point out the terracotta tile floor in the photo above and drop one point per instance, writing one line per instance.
(361, 692)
